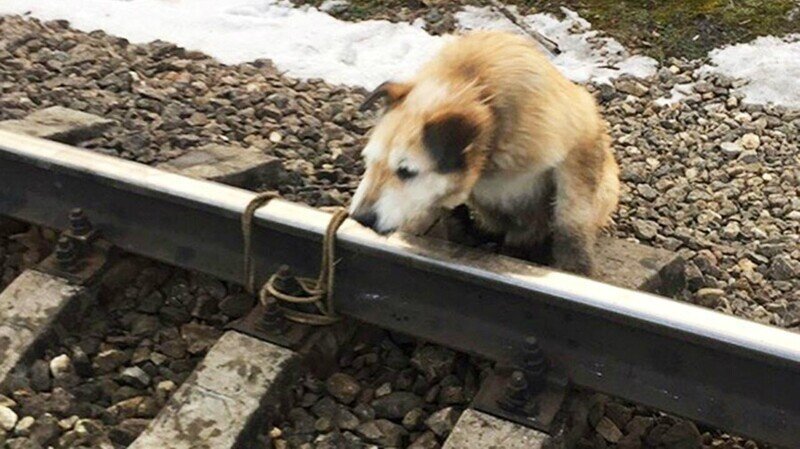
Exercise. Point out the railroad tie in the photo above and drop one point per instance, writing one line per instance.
(240, 382)
(29, 308)
(478, 430)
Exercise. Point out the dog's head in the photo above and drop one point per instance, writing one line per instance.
(423, 156)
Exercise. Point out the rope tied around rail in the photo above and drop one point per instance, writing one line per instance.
(317, 292)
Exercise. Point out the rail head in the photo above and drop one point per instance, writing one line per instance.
(635, 345)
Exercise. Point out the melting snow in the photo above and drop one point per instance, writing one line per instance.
(585, 55)
(308, 43)
(305, 42)
(678, 93)
(771, 66)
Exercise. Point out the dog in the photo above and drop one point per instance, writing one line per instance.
(490, 123)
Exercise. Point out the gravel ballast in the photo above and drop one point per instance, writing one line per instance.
(166, 101)
(11, 254)
(386, 391)
(101, 380)
(21, 247)
(709, 177)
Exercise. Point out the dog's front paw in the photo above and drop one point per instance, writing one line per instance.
(459, 226)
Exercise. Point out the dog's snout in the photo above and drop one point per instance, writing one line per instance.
(367, 219)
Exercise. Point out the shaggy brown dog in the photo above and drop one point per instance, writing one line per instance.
(491, 123)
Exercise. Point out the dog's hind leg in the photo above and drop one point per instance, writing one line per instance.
(576, 211)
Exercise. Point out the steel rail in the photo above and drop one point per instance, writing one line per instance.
(720, 370)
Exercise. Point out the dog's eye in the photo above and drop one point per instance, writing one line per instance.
(405, 173)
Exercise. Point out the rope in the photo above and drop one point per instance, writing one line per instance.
(317, 292)
(247, 227)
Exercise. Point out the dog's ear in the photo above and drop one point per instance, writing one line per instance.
(446, 138)
(393, 91)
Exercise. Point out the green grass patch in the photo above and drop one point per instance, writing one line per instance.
(687, 28)
(367, 9)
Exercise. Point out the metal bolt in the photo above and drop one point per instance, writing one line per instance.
(534, 365)
(515, 393)
(66, 254)
(79, 222)
(286, 283)
(273, 320)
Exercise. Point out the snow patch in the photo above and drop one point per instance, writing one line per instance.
(308, 43)
(770, 65)
(676, 94)
(305, 42)
(585, 56)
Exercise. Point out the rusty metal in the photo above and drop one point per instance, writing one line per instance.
(534, 364)
(528, 390)
(265, 323)
(66, 255)
(507, 394)
(515, 393)
(80, 256)
(79, 223)
(273, 320)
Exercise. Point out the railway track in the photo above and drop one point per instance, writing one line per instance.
(719, 370)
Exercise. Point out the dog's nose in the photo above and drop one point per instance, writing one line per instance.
(366, 219)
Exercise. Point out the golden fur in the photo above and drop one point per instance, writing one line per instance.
(490, 122)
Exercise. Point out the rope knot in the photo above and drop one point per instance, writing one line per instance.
(305, 300)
